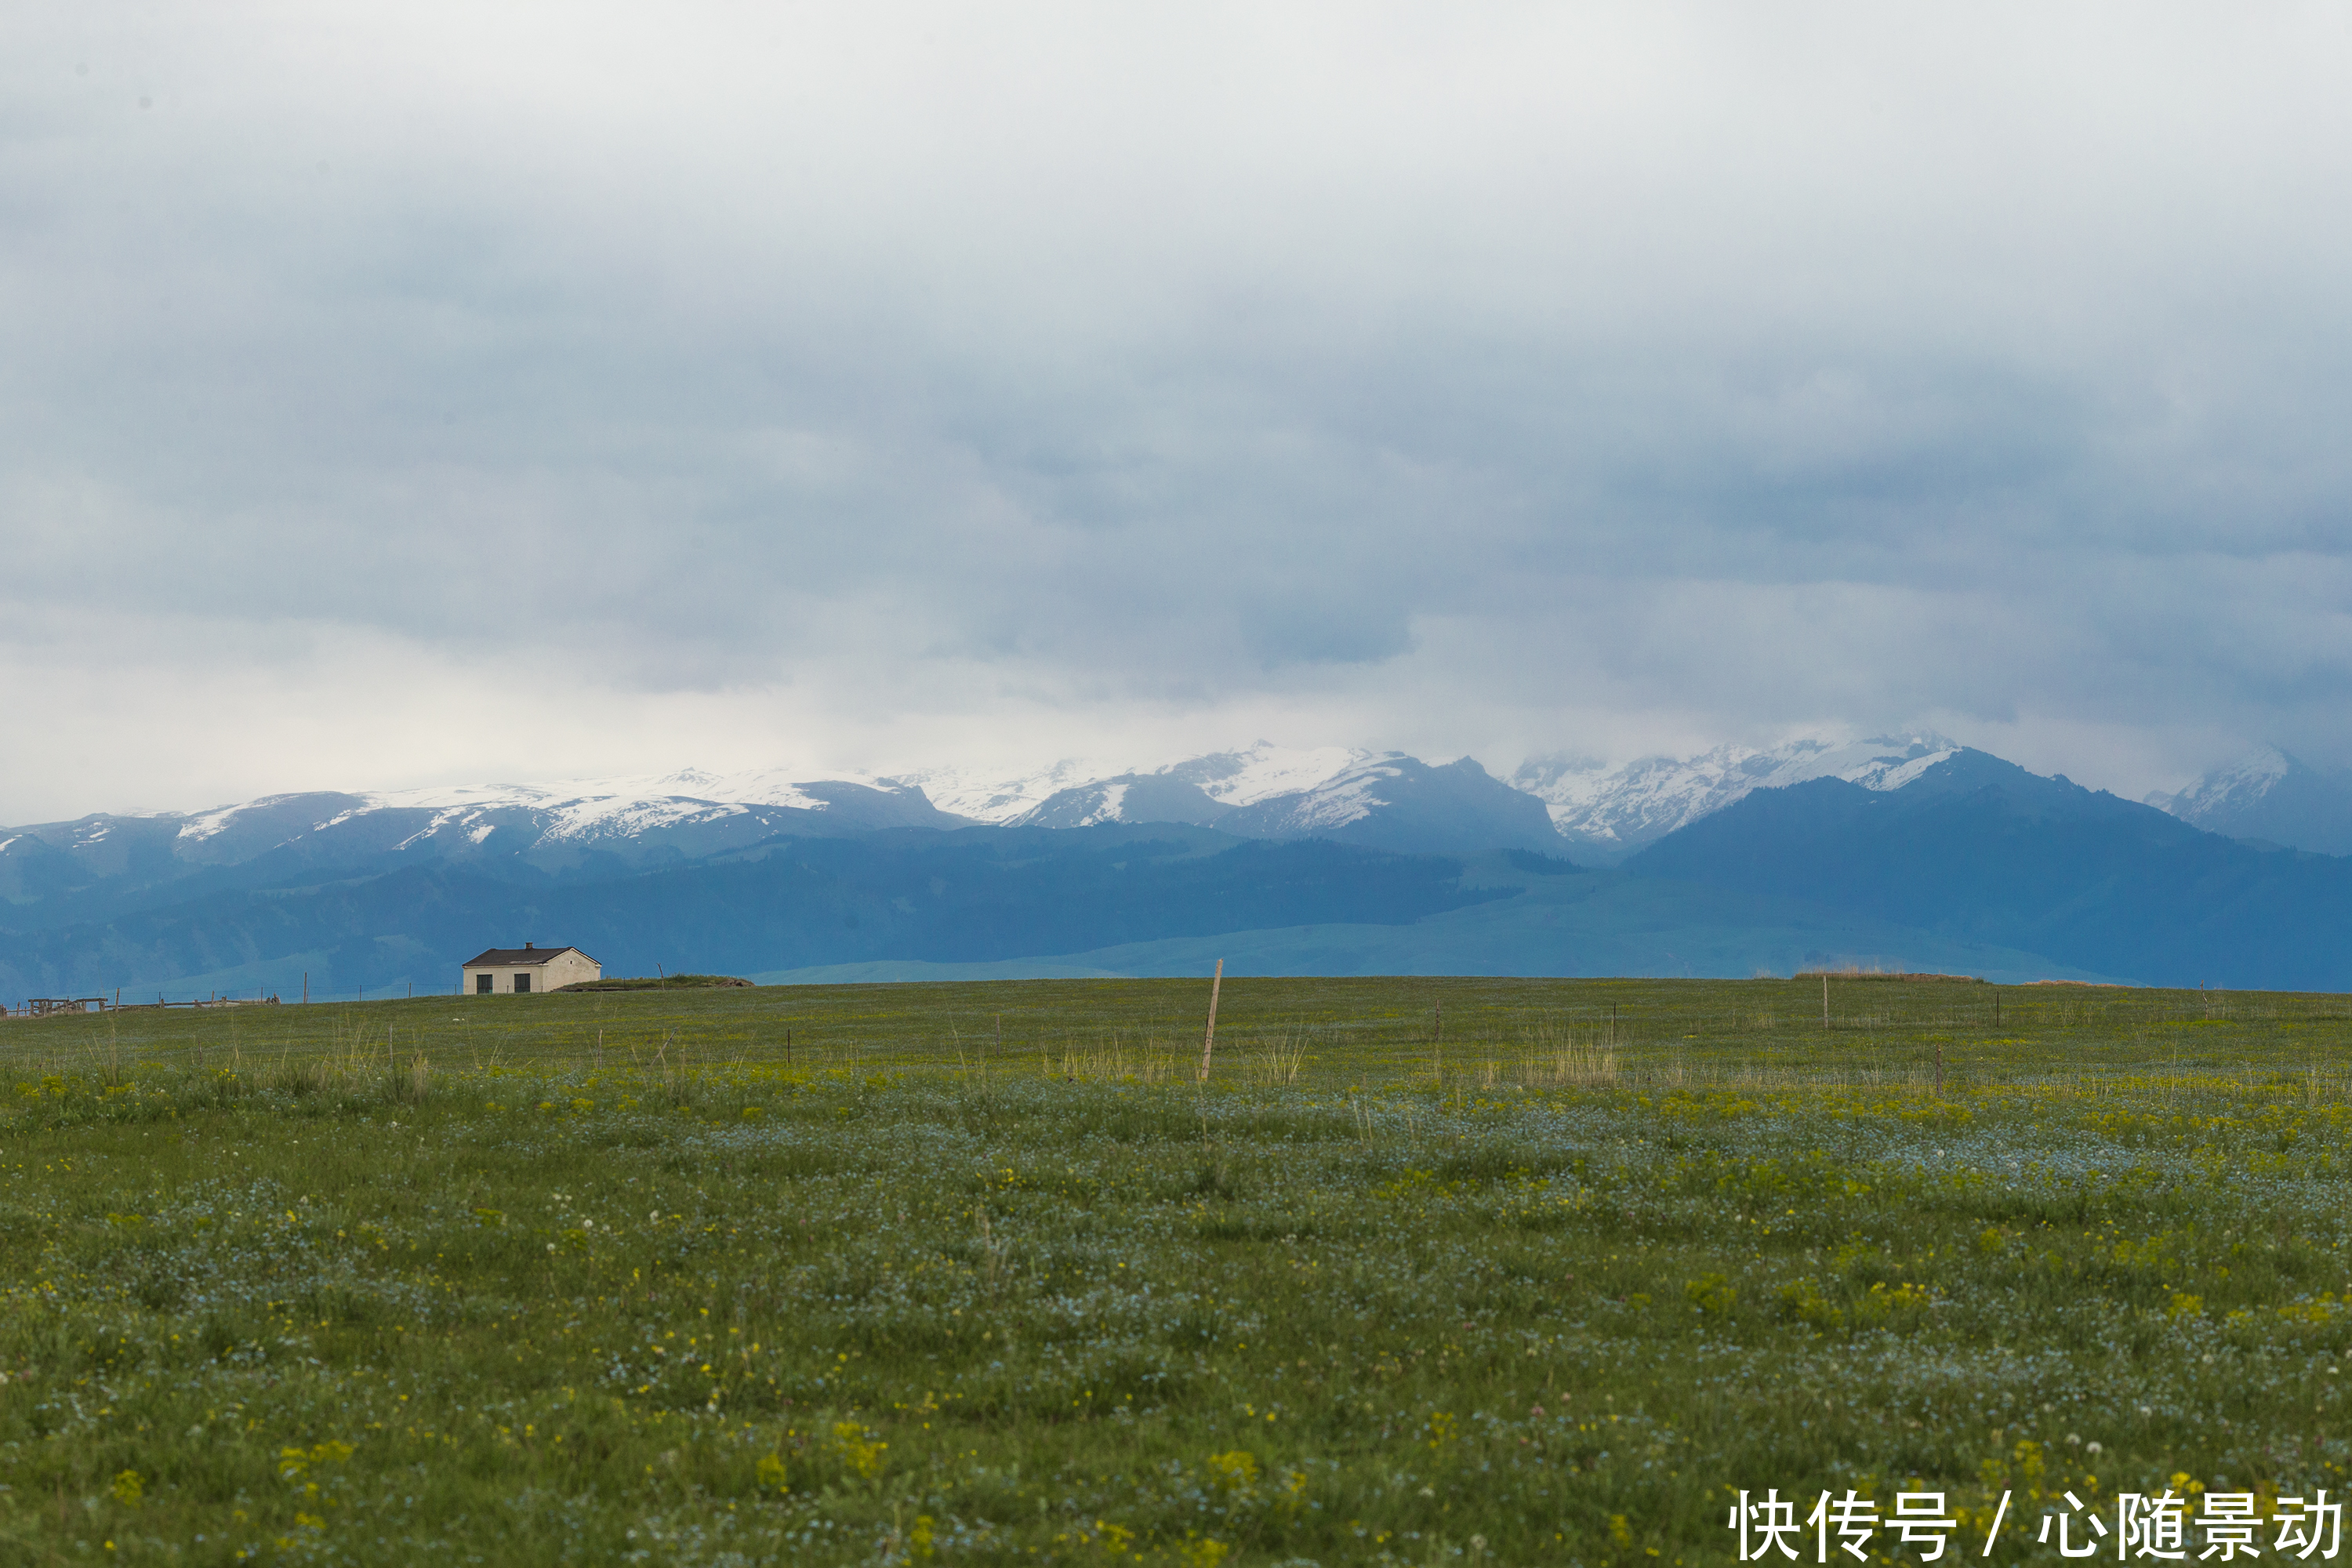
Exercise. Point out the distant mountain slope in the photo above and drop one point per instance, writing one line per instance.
(1110, 899)
(1605, 815)
(2272, 796)
(1588, 923)
(1977, 849)
(972, 896)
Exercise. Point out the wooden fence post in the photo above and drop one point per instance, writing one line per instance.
(1209, 1040)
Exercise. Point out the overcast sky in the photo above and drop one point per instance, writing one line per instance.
(399, 394)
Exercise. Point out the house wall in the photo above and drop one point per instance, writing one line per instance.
(571, 967)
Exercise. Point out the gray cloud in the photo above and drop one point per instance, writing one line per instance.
(867, 386)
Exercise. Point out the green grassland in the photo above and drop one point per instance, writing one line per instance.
(1427, 1271)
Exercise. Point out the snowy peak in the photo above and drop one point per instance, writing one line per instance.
(1607, 815)
(1392, 801)
(1129, 797)
(2236, 786)
(987, 795)
(2270, 797)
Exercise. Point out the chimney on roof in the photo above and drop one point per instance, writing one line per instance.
(526, 947)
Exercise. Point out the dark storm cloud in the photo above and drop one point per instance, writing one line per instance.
(1465, 380)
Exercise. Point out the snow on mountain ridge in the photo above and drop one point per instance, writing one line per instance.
(1317, 789)
(1334, 779)
(1258, 772)
(2240, 784)
(988, 796)
(580, 809)
(1652, 796)
(1347, 796)
(1114, 796)
(1264, 771)
(585, 809)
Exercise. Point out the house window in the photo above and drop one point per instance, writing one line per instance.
(522, 984)
(481, 984)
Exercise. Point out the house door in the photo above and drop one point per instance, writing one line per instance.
(481, 984)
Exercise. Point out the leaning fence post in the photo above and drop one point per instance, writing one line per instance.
(1209, 1040)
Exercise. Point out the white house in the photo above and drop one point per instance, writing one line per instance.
(518, 971)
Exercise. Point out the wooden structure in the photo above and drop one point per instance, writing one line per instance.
(76, 1007)
(50, 1006)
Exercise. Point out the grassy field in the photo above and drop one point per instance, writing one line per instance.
(1428, 1270)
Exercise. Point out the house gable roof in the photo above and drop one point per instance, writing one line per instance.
(531, 957)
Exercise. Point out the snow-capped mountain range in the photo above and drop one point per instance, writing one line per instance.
(1587, 811)
(768, 871)
(1380, 799)
(1555, 805)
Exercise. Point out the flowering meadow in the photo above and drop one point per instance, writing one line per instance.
(1424, 1271)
